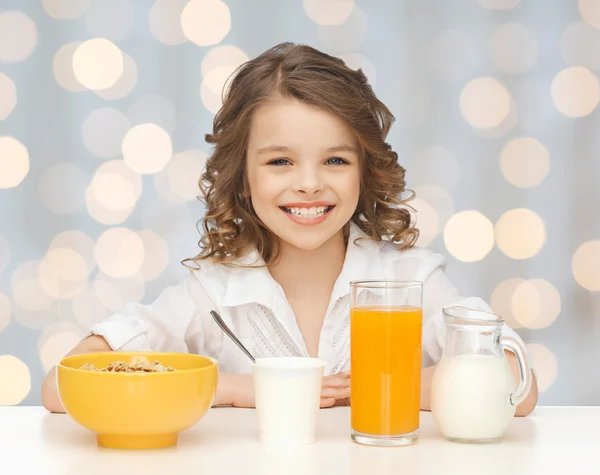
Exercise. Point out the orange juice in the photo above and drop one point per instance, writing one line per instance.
(385, 346)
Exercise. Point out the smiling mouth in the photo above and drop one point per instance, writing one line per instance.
(305, 213)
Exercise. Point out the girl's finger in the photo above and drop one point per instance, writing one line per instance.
(327, 402)
(336, 393)
(336, 383)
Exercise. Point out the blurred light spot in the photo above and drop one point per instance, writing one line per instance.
(586, 265)
(469, 236)
(153, 109)
(56, 347)
(18, 36)
(439, 198)
(504, 127)
(513, 48)
(99, 212)
(114, 294)
(124, 84)
(165, 21)
(214, 86)
(110, 19)
(217, 67)
(184, 172)
(536, 303)
(79, 242)
(205, 22)
(156, 255)
(8, 96)
(119, 252)
(27, 289)
(103, 132)
(346, 36)
(147, 148)
(97, 63)
(62, 188)
(575, 91)
(14, 370)
(499, 4)
(4, 253)
(14, 162)
(520, 233)
(484, 103)
(62, 67)
(118, 167)
(328, 12)
(65, 9)
(113, 192)
(436, 165)
(63, 273)
(545, 365)
(427, 221)
(453, 54)
(524, 162)
(501, 301)
(226, 55)
(4, 312)
(574, 45)
(590, 11)
(66, 264)
(358, 61)
(88, 309)
(179, 181)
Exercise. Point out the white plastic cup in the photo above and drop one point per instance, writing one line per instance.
(288, 396)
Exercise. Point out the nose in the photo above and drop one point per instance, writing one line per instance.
(308, 180)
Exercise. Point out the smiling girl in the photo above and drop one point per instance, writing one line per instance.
(303, 195)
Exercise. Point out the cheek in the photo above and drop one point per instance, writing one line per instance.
(263, 187)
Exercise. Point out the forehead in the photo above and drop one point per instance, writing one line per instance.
(291, 123)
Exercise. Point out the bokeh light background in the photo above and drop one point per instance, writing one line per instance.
(104, 105)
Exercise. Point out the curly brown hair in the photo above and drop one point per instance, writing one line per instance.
(231, 227)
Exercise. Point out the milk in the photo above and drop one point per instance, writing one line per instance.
(470, 397)
(288, 395)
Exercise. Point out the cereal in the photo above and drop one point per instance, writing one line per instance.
(122, 367)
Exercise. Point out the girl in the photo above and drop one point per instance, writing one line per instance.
(302, 196)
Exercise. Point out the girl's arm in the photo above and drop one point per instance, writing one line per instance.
(233, 389)
(523, 409)
(50, 398)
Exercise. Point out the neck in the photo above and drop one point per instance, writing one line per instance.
(299, 271)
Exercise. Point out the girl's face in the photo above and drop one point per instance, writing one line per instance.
(303, 171)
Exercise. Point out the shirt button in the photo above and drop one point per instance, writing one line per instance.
(136, 322)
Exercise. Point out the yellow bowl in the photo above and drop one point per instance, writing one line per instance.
(137, 410)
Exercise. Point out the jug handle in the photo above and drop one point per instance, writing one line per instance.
(518, 349)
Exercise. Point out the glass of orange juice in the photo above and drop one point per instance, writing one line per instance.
(385, 361)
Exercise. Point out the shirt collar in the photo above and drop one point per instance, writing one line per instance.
(256, 285)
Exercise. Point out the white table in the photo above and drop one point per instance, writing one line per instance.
(552, 440)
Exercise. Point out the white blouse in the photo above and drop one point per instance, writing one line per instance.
(255, 307)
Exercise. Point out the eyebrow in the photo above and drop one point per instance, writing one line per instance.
(283, 148)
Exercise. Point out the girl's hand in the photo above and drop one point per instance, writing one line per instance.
(244, 394)
(336, 390)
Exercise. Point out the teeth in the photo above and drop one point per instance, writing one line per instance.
(308, 212)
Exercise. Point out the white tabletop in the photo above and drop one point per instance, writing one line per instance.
(551, 440)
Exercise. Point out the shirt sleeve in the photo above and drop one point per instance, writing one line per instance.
(171, 323)
(438, 293)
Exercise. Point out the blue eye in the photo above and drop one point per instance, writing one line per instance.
(338, 161)
(279, 162)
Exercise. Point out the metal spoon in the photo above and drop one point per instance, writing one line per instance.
(217, 318)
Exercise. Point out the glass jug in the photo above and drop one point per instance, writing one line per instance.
(473, 391)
